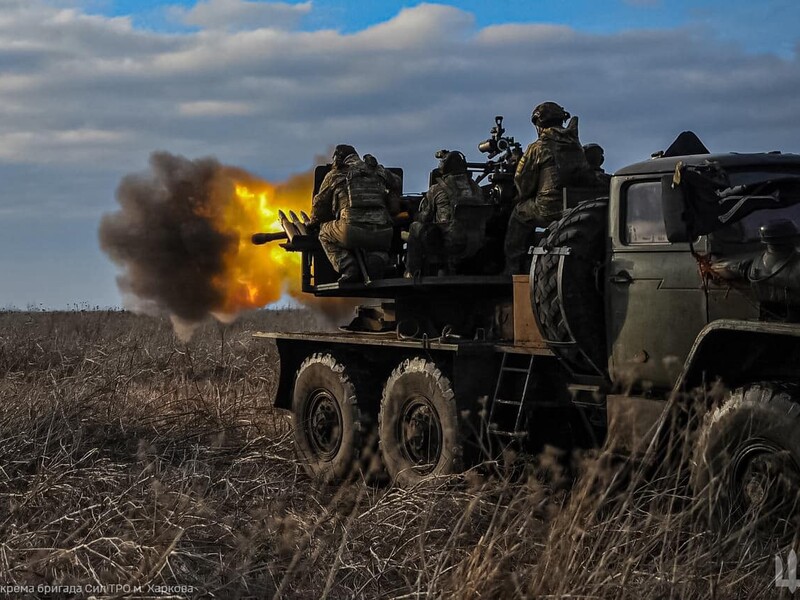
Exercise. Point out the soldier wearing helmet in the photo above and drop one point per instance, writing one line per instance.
(353, 212)
(551, 163)
(773, 274)
(595, 156)
(437, 227)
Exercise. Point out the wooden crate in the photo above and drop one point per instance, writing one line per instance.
(526, 333)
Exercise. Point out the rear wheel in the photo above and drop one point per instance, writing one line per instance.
(327, 421)
(418, 424)
(747, 461)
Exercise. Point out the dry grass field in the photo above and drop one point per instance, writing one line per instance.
(130, 458)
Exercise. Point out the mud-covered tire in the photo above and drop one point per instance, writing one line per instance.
(418, 424)
(327, 421)
(745, 470)
(575, 308)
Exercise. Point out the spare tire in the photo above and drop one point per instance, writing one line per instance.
(567, 291)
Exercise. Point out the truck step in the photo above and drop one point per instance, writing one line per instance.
(515, 370)
(508, 402)
(493, 428)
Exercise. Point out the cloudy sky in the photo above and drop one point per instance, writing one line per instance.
(89, 88)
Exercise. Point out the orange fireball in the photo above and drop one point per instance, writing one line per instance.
(255, 276)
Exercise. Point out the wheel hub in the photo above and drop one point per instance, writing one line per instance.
(763, 480)
(420, 434)
(324, 424)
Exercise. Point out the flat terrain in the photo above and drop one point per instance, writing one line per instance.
(128, 457)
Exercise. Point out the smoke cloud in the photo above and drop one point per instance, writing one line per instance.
(182, 241)
(164, 237)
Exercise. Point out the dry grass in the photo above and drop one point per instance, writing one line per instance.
(127, 457)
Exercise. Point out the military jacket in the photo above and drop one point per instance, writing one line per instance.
(356, 193)
(551, 163)
(444, 195)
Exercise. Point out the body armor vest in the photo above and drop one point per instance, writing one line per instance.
(364, 197)
(570, 167)
(777, 283)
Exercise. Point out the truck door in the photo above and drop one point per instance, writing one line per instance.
(655, 303)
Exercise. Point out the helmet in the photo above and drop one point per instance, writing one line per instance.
(452, 162)
(341, 152)
(548, 114)
(779, 230)
(594, 154)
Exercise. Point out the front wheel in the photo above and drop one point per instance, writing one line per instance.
(747, 461)
(418, 423)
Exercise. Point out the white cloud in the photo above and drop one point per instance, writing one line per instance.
(211, 108)
(242, 14)
(71, 146)
(98, 94)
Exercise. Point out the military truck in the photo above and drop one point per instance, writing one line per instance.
(622, 309)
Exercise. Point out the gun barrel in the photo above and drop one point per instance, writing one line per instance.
(263, 238)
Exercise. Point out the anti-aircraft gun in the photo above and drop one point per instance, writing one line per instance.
(503, 153)
(622, 311)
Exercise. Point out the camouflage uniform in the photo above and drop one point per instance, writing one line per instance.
(352, 206)
(549, 164)
(435, 224)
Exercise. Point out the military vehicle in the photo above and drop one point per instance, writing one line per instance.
(622, 309)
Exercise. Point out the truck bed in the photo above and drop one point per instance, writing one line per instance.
(391, 339)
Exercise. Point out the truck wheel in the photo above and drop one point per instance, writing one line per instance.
(418, 424)
(746, 463)
(568, 301)
(327, 424)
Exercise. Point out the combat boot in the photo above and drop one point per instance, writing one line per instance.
(377, 263)
(348, 270)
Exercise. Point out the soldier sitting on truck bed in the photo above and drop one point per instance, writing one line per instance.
(440, 227)
(551, 163)
(353, 212)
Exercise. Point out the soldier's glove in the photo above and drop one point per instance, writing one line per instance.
(313, 227)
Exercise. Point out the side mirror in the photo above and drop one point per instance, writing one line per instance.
(673, 205)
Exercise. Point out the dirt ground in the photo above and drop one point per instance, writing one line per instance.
(131, 459)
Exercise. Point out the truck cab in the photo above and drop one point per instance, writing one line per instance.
(660, 295)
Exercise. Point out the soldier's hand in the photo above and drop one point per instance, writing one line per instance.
(721, 268)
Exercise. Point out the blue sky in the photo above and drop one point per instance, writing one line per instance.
(85, 97)
(765, 26)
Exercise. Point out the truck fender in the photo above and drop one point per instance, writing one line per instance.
(736, 352)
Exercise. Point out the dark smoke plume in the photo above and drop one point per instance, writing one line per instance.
(164, 240)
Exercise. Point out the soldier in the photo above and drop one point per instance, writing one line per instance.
(436, 227)
(554, 161)
(774, 274)
(352, 211)
(595, 156)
